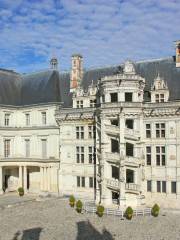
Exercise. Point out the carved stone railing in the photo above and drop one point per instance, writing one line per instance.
(132, 186)
(113, 183)
(132, 134)
(112, 157)
(112, 129)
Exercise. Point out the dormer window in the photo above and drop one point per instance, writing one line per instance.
(80, 104)
(6, 119)
(114, 97)
(159, 98)
(159, 91)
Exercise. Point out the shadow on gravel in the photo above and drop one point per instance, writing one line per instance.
(86, 231)
(28, 234)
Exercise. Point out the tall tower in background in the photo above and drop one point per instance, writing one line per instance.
(76, 71)
(54, 63)
(177, 53)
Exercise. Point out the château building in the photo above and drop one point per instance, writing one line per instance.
(109, 134)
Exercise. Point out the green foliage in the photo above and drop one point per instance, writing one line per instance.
(129, 213)
(21, 191)
(72, 201)
(155, 210)
(100, 210)
(79, 206)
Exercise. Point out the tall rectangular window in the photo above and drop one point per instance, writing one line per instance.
(43, 114)
(173, 187)
(114, 146)
(44, 148)
(158, 186)
(80, 154)
(27, 147)
(7, 148)
(6, 119)
(148, 130)
(148, 155)
(164, 186)
(91, 131)
(160, 156)
(79, 132)
(129, 149)
(92, 103)
(91, 182)
(27, 119)
(149, 185)
(160, 130)
(80, 181)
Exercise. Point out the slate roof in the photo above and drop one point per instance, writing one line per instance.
(50, 86)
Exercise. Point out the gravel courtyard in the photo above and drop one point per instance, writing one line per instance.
(55, 220)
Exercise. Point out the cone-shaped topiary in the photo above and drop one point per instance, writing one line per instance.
(155, 210)
(72, 201)
(79, 206)
(21, 191)
(100, 210)
(129, 213)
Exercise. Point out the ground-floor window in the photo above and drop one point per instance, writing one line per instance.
(92, 182)
(173, 187)
(80, 181)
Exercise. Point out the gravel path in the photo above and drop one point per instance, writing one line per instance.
(54, 220)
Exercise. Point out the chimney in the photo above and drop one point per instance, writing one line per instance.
(177, 53)
(76, 71)
(54, 63)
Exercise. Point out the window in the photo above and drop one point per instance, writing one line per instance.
(159, 98)
(164, 186)
(80, 154)
(129, 149)
(43, 114)
(80, 104)
(7, 148)
(173, 187)
(160, 156)
(92, 103)
(27, 119)
(115, 172)
(91, 131)
(79, 132)
(158, 186)
(130, 123)
(6, 119)
(27, 147)
(114, 97)
(149, 185)
(91, 154)
(128, 97)
(44, 148)
(114, 146)
(148, 130)
(148, 155)
(80, 181)
(160, 130)
(91, 182)
(115, 122)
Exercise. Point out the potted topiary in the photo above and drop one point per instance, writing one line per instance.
(79, 206)
(129, 213)
(155, 210)
(21, 191)
(100, 210)
(72, 201)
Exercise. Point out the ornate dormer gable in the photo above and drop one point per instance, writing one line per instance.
(129, 68)
(92, 89)
(159, 90)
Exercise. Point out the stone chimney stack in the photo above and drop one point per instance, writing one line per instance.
(76, 71)
(177, 53)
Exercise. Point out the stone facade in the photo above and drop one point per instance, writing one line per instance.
(94, 134)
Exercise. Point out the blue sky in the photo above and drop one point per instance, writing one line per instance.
(105, 32)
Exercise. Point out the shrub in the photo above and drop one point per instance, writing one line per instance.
(100, 210)
(129, 213)
(21, 191)
(72, 201)
(79, 206)
(155, 210)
